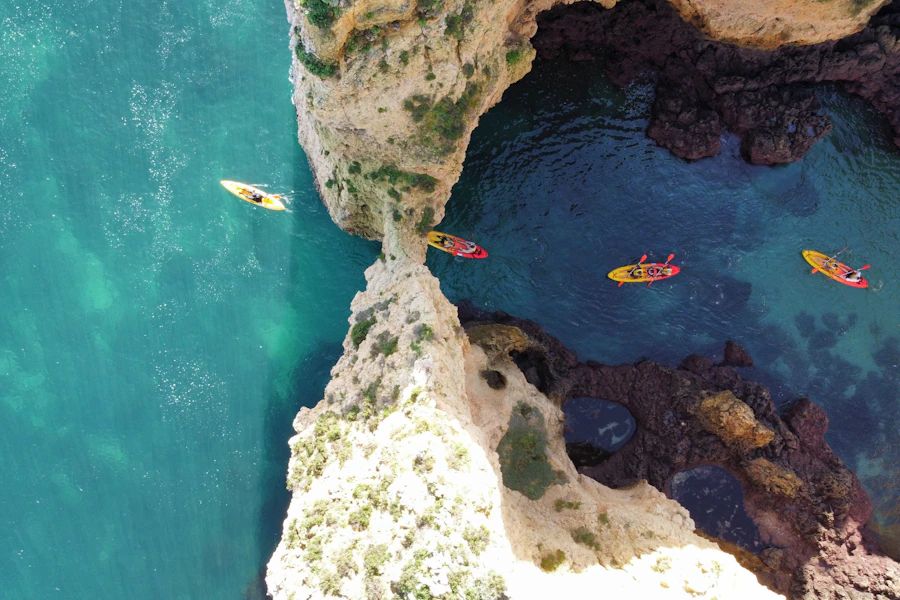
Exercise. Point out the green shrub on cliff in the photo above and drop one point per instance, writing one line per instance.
(456, 24)
(320, 13)
(428, 9)
(585, 537)
(360, 330)
(513, 57)
(313, 64)
(385, 344)
(477, 538)
(443, 122)
(425, 223)
(395, 176)
(551, 561)
(374, 558)
(561, 505)
(363, 40)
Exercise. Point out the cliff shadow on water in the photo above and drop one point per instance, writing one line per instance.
(303, 385)
(561, 184)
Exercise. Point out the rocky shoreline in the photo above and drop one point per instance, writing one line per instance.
(431, 468)
(808, 506)
(705, 87)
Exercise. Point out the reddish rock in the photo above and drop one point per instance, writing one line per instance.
(810, 509)
(704, 87)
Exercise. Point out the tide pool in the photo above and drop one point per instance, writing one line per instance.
(561, 186)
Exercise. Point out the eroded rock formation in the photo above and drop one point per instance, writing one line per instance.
(770, 24)
(704, 86)
(388, 93)
(809, 508)
(433, 469)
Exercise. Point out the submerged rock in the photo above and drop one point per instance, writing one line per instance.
(736, 355)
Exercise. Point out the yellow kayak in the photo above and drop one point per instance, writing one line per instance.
(834, 269)
(644, 272)
(253, 195)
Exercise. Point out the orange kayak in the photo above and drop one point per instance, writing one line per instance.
(834, 269)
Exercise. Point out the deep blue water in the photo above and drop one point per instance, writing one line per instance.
(561, 185)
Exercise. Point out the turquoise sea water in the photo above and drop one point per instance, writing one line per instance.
(159, 335)
(561, 185)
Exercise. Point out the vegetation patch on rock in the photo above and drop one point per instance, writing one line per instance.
(443, 122)
(360, 330)
(406, 179)
(320, 13)
(314, 64)
(552, 560)
(523, 454)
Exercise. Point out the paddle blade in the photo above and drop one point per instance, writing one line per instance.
(621, 283)
(814, 271)
(642, 259)
(864, 267)
(670, 257)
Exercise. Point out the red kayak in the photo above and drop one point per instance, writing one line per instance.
(456, 246)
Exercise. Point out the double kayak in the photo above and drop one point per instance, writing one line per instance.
(254, 195)
(834, 269)
(644, 272)
(456, 246)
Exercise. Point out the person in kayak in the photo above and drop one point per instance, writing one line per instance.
(852, 275)
(256, 197)
(446, 242)
(659, 271)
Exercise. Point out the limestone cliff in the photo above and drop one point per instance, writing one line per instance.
(388, 91)
(433, 469)
(769, 24)
(387, 94)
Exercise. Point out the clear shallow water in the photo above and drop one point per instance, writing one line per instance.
(561, 185)
(158, 334)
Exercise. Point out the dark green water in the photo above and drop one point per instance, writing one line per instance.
(159, 335)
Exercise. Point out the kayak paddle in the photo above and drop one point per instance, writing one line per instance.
(666, 264)
(832, 257)
(862, 268)
(640, 260)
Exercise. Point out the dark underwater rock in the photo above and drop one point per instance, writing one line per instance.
(736, 356)
(809, 508)
(704, 87)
